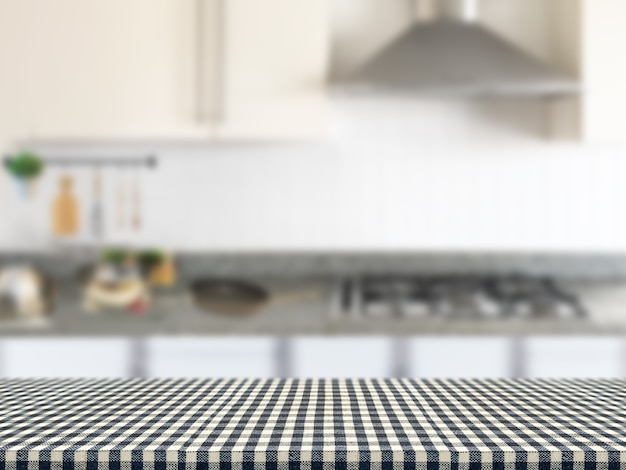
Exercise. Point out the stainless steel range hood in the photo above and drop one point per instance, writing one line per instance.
(447, 52)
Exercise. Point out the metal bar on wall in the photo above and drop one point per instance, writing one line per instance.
(148, 161)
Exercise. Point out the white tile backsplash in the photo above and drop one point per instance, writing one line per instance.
(399, 174)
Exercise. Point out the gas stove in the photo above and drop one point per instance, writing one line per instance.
(512, 296)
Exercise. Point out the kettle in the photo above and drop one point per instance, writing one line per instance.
(22, 292)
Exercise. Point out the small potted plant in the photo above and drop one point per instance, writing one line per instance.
(115, 256)
(154, 266)
(149, 261)
(25, 167)
(117, 284)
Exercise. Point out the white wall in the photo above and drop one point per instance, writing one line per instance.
(399, 174)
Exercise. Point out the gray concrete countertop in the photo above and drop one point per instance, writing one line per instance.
(338, 264)
(173, 314)
(602, 280)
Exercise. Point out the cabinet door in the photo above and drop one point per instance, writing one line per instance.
(275, 58)
(461, 357)
(99, 69)
(71, 358)
(604, 98)
(589, 35)
(574, 357)
(211, 357)
(342, 357)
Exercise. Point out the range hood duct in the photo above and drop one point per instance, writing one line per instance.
(447, 52)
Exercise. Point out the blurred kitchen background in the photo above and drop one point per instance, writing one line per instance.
(326, 188)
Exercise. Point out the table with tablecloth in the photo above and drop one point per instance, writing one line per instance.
(312, 424)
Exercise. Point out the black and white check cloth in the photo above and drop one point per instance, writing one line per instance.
(292, 424)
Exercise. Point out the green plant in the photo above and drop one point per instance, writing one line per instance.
(115, 255)
(150, 258)
(25, 165)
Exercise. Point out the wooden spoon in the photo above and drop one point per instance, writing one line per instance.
(136, 219)
(121, 203)
(97, 209)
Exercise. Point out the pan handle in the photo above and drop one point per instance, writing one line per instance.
(304, 295)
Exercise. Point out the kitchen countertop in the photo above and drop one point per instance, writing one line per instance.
(174, 314)
(250, 424)
(338, 264)
(603, 290)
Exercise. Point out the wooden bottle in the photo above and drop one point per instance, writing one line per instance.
(65, 219)
(164, 275)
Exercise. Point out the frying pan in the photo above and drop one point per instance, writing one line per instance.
(240, 297)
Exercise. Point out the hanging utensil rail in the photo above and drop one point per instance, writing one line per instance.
(150, 161)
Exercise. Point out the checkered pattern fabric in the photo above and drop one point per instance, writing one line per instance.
(291, 424)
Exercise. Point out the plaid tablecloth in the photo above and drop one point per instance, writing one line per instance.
(312, 424)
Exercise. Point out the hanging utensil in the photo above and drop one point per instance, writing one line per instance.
(66, 209)
(136, 219)
(97, 208)
(121, 202)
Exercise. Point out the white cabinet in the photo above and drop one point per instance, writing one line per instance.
(93, 70)
(211, 357)
(64, 357)
(162, 69)
(589, 37)
(582, 37)
(574, 357)
(342, 357)
(603, 71)
(275, 58)
(460, 357)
